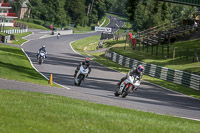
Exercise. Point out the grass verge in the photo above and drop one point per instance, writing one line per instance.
(18, 38)
(35, 112)
(86, 44)
(15, 66)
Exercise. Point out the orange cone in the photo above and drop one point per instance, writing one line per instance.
(51, 79)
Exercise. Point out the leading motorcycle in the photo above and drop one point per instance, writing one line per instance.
(128, 85)
(41, 57)
(81, 75)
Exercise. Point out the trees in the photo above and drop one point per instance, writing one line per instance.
(149, 13)
(61, 12)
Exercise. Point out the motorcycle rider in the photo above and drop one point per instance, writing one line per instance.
(43, 49)
(87, 63)
(135, 72)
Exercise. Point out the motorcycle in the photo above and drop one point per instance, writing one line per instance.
(127, 86)
(41, 57)
(81, 75)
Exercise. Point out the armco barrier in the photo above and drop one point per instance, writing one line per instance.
(175, 76)
(15, 31)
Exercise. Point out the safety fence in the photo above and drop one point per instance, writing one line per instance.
(175, 76)
(15, 31)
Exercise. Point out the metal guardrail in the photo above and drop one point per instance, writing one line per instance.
(15, 31)
(175, 76)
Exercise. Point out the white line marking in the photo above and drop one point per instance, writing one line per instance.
(27, 39)
(103, 22)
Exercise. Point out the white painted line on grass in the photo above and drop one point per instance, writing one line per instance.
(27, 39)
(103, 22)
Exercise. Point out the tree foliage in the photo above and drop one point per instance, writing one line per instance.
(62, 12)
(148, 13)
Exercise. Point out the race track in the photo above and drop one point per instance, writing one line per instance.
(100, 85)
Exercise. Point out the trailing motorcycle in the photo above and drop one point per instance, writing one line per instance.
(127, 86)
(81, 75)
(41, 57)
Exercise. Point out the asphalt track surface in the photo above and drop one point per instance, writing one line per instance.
(99, 87)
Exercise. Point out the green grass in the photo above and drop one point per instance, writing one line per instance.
(14, 65)
(86, 44)
(106, 22)
(3, 34)
(18, 38)
(23, 112)
(177, 63)
(101, 20)
(33, 26)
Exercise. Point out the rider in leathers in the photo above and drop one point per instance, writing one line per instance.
(87, 63)
(43, 49)
(135, 72)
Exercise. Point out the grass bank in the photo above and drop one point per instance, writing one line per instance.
(14, 65)
(99, 57)
(33, 26)
(18, 38)
(35, 112)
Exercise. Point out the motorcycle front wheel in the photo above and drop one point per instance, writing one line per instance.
(116, 92)
(80, 78)
(40, 60)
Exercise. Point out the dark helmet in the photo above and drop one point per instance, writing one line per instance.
(43, 46)
(87, 60)
(140, 68)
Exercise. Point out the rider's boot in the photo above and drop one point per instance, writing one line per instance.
(75, 73)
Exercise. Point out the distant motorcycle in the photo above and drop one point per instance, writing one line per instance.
(127, 86)
(41, 57)
(81, 75)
